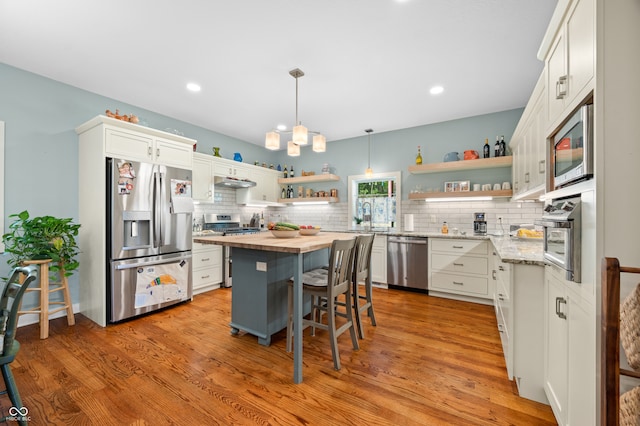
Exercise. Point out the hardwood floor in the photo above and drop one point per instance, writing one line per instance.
(429, 361)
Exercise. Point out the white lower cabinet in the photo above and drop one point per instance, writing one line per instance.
(379, 259)
(569, 352)
(207, 267)
(519, 305)
(459, 269)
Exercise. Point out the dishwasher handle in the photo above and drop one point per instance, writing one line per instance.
(407, 240)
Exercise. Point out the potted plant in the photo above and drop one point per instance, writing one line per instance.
(44, 237)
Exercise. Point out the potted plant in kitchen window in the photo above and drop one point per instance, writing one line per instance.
(44, 237)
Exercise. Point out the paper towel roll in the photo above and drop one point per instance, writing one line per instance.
(408, 222)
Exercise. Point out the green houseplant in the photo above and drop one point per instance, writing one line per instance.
(44, 237)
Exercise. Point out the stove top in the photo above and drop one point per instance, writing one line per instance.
(227, 224)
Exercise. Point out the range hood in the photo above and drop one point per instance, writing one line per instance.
(231, 182)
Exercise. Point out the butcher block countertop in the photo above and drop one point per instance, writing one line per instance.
(267, 242)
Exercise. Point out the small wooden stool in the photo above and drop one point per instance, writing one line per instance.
(45, 289)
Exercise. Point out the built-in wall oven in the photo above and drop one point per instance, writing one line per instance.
(227, 224)
(562, 225)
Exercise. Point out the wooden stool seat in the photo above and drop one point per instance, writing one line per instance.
(46, 288)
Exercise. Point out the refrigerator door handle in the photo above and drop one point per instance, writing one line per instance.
(157, 212)
(124, 266)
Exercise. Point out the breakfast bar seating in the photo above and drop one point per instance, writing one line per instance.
(362, 274)
(271, 259)
(325, 286)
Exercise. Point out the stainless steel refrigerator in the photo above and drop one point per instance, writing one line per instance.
(148, 237)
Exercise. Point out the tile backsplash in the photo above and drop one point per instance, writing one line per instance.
(427, 217)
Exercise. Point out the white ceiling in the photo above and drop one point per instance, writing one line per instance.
(367, 63)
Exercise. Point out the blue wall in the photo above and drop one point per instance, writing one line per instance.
(41, 146)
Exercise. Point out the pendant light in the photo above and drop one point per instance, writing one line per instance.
(293, 150)
(300, 134)
(369, 171)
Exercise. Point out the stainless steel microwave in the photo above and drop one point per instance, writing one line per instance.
(573, 149)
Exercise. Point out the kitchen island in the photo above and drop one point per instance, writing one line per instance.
(263, 265)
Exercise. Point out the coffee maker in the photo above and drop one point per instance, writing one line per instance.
(479, 224)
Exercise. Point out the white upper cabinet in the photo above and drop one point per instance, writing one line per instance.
(570, 61)
(203, 172)
(529, 147)
(266, 189)
(138, 143)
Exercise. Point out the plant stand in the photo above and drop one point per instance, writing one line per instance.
(46, 288)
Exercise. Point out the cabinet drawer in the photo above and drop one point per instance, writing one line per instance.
(464, 264)
(206, 276)
(459, 246)
(459, 283)
(206, 259)
(205, 247)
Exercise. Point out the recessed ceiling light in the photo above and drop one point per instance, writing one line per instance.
(193, 87)
(436, 90)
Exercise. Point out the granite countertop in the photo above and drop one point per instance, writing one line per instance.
(519, 251)
(509, 249)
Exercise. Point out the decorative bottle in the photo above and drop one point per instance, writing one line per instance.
(286, 172)
(486, 150)
(284, 193)
(496, 148)
(291, 173)
(503, 147)
(419, 156)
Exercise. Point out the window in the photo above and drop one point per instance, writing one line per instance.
(378, 195)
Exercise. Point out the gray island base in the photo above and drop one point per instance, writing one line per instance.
(259, 296)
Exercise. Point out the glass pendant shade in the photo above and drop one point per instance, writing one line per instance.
(300, 135)
(293, 150)
(272, 141)
(319, 143)
(368, 172)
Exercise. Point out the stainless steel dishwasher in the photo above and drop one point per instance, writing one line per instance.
(407, 263)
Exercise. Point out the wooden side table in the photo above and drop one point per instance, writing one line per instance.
(46, 288)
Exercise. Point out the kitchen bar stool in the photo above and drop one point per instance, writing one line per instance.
(362, 274)
(324, 286)
(46, 288)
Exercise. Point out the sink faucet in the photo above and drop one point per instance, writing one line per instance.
(366, 217)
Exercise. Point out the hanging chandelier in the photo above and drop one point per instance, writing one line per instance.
(369, 171)
(299, 133)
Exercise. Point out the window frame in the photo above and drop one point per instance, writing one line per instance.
(352, 190)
